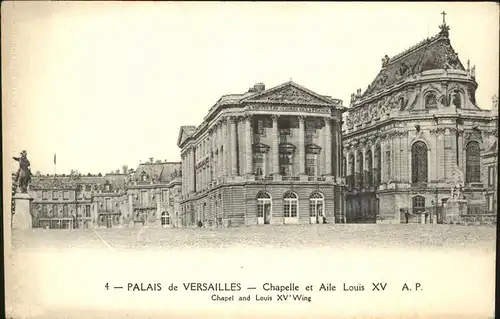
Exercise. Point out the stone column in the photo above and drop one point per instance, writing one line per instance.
(248, 145)
(275, 145)
(234, 147)
(225, 153)
(334, 150)
(328, 147)
(302, 151)
(193, 159)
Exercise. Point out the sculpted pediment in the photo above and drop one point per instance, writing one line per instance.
(290, 93)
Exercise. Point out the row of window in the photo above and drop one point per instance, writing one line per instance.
(290, 204)
(419, 162)
(51, 210)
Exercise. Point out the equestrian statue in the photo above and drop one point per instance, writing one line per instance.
(23, 174)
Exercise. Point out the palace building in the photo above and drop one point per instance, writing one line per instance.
(267, 156)
(146, 197)
(416, 133)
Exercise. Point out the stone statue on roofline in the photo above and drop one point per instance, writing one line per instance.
(385, 60)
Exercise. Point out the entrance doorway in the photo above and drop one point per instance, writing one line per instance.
(316, 206)
(264, 207)
(418, 207)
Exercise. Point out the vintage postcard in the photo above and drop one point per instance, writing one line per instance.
(249, 160)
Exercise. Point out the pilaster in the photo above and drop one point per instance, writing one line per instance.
(248, 145)
(302, 153)
(275, 145)
(234, 147)
(328, 147)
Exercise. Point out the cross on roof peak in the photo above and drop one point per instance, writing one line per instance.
(444, 17)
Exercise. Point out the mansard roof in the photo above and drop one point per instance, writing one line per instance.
(430, 54)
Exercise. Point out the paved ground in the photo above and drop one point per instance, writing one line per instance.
(290, 236)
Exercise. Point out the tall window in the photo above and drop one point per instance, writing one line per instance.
(87, 210)
(316, 204)
(378, 163)
(45, 195)
(311, 165)
(165, 219)
(55, 211)
(263, 203)
(44, 211)
(388, 164)
(164, 195)
(472, 162)
(290, 204)
(65, 210)
(310, 127)
(144, 197)
(65, 195)
(351, 164)
(419, 162)
(258, 164)
(108, 204)
(259, 127)
(286, 164)
(369, 166)
(55, 195)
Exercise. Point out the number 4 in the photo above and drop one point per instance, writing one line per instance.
(107, 286)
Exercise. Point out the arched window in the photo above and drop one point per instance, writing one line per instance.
(473, 162)
(419, 162)
(316, 205)
(65, 210)
(351, 164)
(378, 165)
(430, 100)
(165, 219)
(264, 203)
(369, 168)
(44, 211)
(359, 169)
(290, 205)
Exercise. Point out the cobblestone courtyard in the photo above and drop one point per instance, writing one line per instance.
(300, 236)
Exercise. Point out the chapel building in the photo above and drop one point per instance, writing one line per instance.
(414, 138)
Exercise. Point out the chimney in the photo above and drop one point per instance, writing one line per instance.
(151, 160)
(124, 169)
(259, 87)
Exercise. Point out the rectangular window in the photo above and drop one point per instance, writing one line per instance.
(65, 195)
(258, 164)
(108, 204)
(286, 164)
(87, 210)
(311, 165)
(290, 209)
(144, 197)
(164, 195)
(260, 128)
(55, 195)
(45, 195)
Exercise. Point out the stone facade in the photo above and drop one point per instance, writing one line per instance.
(264, 157)
(405, 136)
(146, 197)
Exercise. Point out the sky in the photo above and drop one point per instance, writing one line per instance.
(109, 84)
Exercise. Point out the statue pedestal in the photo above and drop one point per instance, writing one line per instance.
(455, 208)
(22, 213)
